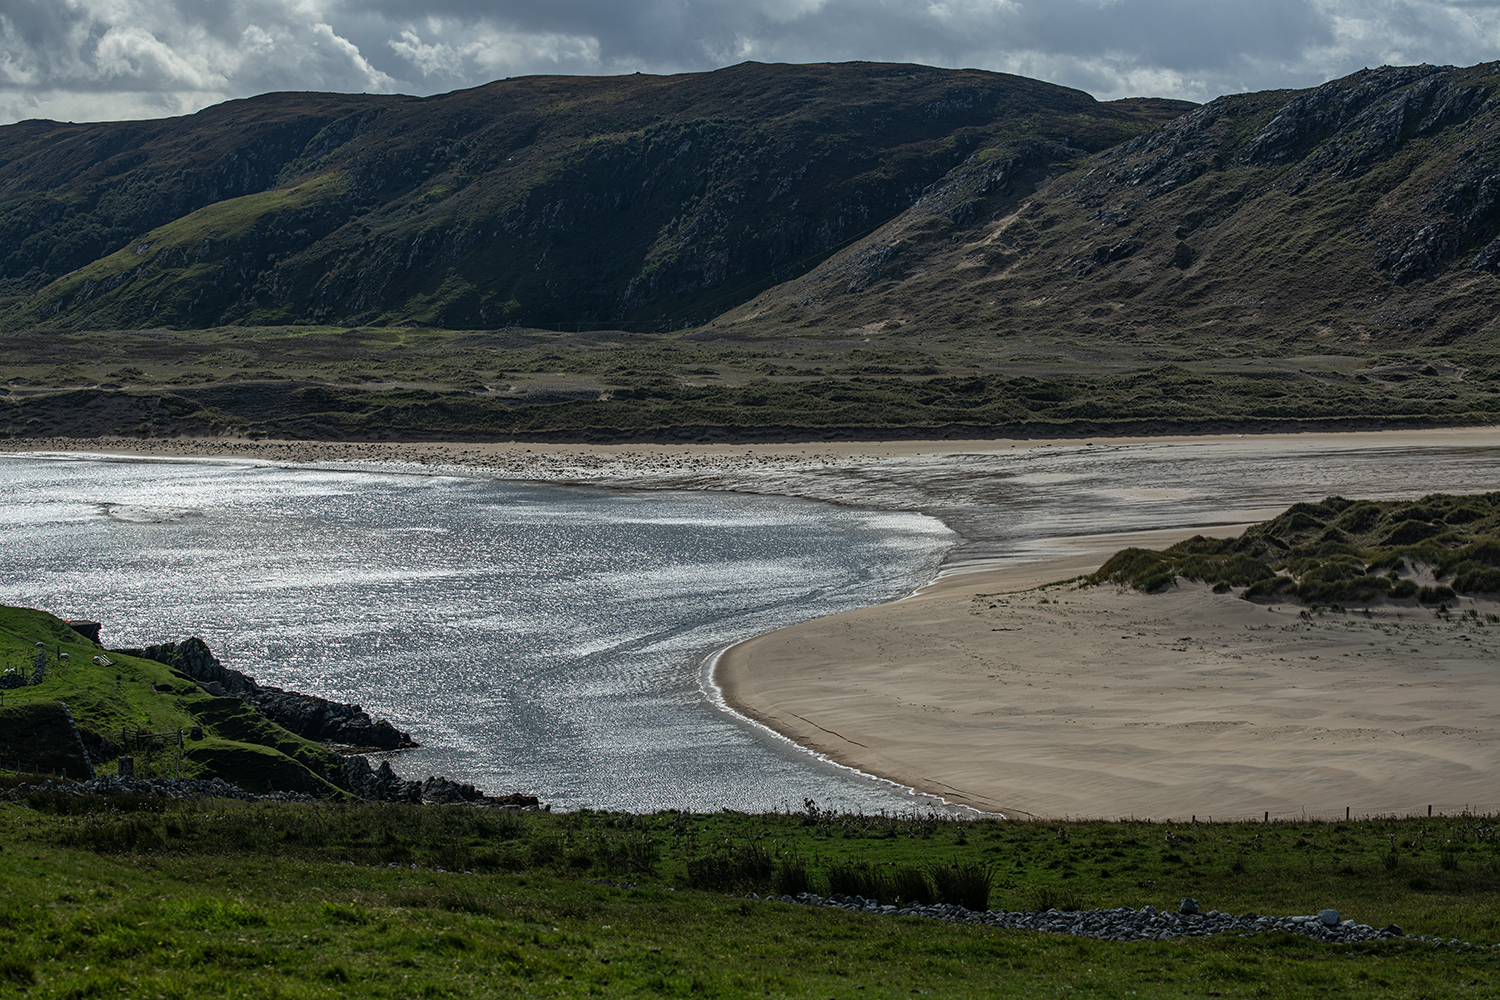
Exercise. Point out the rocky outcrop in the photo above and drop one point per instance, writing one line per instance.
(1342, 130)
(384, 785)
(308, 716)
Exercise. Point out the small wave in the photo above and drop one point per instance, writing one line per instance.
(145, 514)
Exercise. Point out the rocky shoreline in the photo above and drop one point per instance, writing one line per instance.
(347, 728)
(305, 715)
(383, 785)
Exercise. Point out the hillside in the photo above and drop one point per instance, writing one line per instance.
(652, 202)
(1359, 215)
(121, 703)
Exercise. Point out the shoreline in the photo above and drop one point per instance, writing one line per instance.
(729, 686)
(550, 453)
(913, 709)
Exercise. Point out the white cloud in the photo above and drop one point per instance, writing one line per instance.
(101, 59)
(127, 58)
(130, 56)
(430, 59)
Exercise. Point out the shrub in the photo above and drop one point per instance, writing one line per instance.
(1473, 579)
(791, 877)
(738, 869)
(851, 879)
(967, 884)
(630, 854)
(909, 884)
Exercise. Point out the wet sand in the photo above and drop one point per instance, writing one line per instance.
(1094, 702)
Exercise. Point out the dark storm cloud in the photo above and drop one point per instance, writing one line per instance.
(122, 58)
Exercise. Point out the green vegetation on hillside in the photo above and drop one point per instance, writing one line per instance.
(212, 898)
(765, 251)
(1357, 215)
(114, 704)
(1338, 552)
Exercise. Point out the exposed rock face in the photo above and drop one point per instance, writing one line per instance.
(308, 716)
(1365, 210)
(1340, 131)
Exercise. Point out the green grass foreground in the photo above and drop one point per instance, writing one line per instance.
(137, 898)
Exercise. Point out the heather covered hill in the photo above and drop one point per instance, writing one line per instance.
(1361, 214)
(653, 202)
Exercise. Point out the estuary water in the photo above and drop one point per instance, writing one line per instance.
(534, 638)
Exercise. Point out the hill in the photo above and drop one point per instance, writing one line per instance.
(654, 202)
(121, 702)
(1361, 214)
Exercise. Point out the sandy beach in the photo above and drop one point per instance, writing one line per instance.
(1066, 701)
(1098, 702)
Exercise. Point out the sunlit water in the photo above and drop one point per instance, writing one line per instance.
(532, 638)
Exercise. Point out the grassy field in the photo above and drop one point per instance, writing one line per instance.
(223, 899)
(364, 383)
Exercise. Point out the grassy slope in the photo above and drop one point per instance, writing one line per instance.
(1244, 285)
(239, 744)
(261, 900)
(1200, 234)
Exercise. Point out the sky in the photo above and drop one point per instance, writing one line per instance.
(92, 60)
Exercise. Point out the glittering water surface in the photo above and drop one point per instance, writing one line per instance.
(535, 638)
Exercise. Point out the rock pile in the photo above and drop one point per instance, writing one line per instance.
(384, 785)
(1126, 924)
